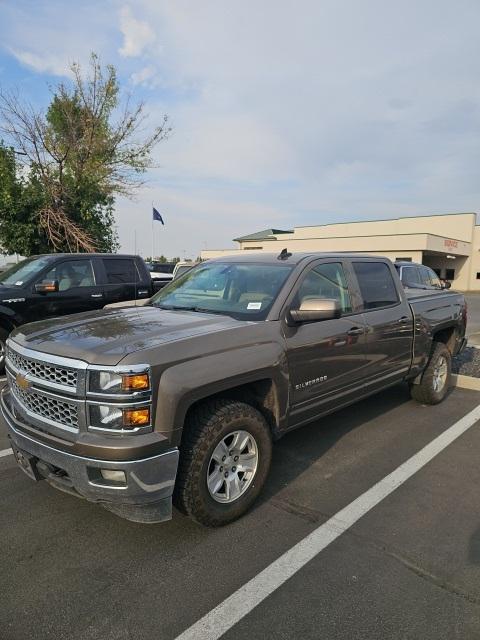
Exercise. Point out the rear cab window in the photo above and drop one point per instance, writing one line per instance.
(376, 283)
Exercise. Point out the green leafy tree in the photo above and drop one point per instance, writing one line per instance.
(20, 201)
(88, 147)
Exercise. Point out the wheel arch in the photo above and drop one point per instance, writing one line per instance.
(261, 394)
(446, 335)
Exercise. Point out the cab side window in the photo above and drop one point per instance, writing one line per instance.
(376, 284)
(121, 271)
(325, 281)
(72, 273)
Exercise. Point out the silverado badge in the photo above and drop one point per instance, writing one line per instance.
(22, 382)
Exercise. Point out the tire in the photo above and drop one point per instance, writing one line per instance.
(3, 339)
(208, 434)
(433, 387)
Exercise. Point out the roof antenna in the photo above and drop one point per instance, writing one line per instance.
(284, 255)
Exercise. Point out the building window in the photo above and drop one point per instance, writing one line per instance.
(450, 274)
(252, 248)
(478, 275)
(403, 259)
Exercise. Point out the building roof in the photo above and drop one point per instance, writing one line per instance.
(267, 234)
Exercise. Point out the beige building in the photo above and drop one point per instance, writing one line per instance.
(448, 243)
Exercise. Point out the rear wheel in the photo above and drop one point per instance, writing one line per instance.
(436, 377)
(224, 460)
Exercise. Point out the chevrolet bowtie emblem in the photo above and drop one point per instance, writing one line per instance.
(22, 382)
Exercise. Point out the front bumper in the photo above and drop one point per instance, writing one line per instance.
(144, 496)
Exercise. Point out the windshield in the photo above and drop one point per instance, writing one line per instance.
(245, 291)
(23, 271)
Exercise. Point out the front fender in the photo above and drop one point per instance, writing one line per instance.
(186, 383)
(9, 318)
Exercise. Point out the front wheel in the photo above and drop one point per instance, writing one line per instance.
(224, 461)
(436, 377)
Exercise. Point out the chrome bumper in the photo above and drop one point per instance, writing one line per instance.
(145, 496)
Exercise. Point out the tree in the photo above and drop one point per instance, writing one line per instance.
(20, 200)
(87, 148)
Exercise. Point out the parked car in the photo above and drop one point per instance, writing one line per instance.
(58, 284)
(183, 267)
(184, 397)
(418, 276)
(161, 272)
(180, 269)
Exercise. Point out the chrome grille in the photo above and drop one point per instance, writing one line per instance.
(58, 411)
(43, 371)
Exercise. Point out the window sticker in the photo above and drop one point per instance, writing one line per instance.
(254, 305)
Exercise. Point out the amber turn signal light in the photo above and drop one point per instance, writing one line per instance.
(135, 382)
(136, 417)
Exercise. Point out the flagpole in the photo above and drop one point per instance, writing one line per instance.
(153, 241)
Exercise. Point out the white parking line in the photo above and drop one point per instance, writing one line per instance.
(6, 452)
(223, 617)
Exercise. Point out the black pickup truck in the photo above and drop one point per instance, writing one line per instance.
(183, 397)
(58, 284)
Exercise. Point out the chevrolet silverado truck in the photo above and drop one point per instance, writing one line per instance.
(182, 399)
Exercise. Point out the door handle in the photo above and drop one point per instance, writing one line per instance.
(403, 320)
(355, 331)
(96, 295)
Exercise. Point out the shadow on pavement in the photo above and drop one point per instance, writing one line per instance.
(299, 449)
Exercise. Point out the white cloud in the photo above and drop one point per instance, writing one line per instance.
(292, 112)
(137, 34)
(42, 62)
(147, 76)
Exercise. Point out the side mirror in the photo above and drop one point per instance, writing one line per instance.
(47, 286)
(315, 309)
(446, 284)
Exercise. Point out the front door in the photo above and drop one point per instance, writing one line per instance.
(77, 290)
(325, 358)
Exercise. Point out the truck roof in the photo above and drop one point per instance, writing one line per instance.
(290, 258)
(54, 256)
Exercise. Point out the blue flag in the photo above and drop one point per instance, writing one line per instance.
(157, 216)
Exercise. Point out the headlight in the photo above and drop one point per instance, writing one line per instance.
(119, 418)
(113, 382)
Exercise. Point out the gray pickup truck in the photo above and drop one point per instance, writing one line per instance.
(131, 408)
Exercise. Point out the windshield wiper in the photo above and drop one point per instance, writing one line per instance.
(192, 308)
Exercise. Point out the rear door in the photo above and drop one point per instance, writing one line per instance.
(77, 290)
(122, 280)
(389, 323)
(326, 359)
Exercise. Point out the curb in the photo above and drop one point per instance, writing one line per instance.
(465, 382)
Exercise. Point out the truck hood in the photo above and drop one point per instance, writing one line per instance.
(106, 337)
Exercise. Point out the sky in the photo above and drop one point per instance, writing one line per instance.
(284, 112)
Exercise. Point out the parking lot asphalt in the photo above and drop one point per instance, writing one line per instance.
(473, 302)
(407, 569)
